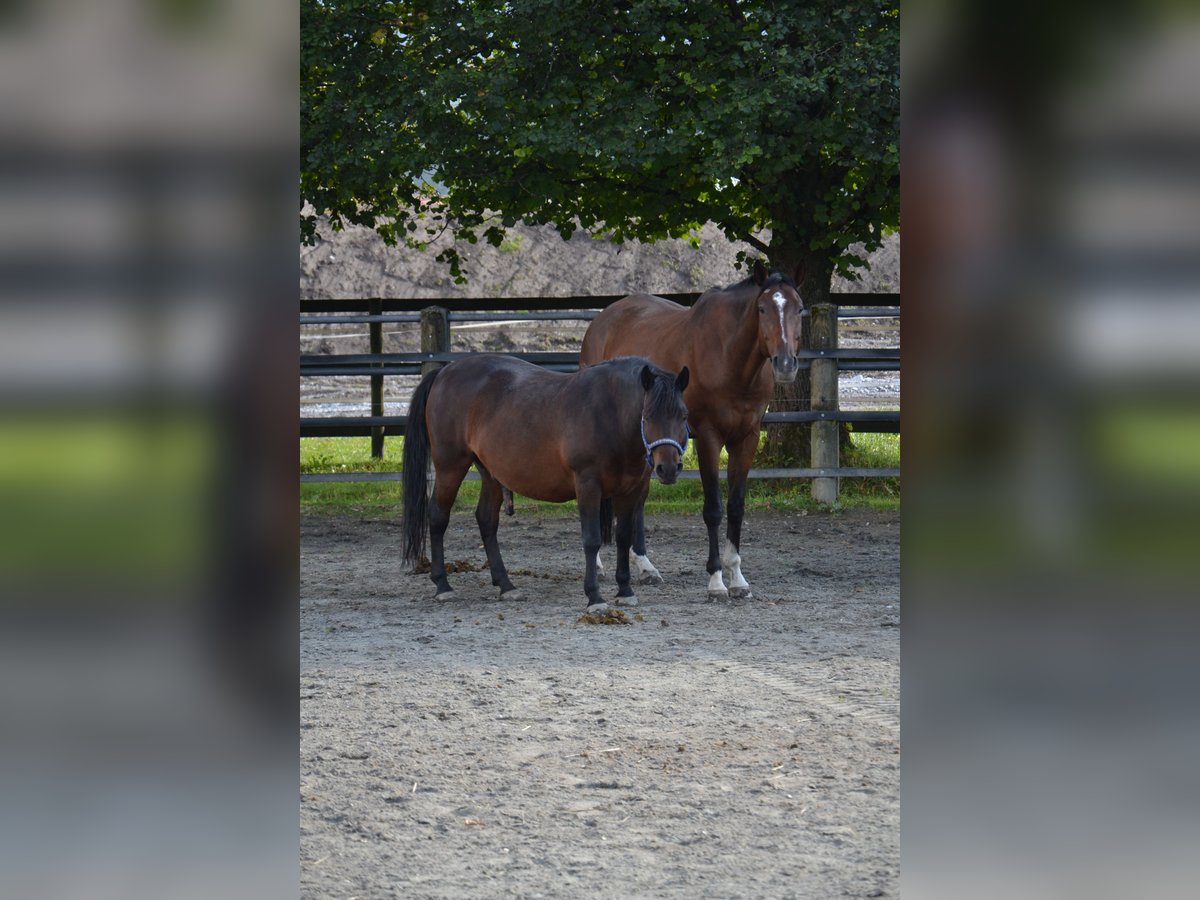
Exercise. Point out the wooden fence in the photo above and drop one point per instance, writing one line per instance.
(824, 358)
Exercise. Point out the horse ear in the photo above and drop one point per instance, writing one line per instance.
(681, 380)
(798, 275)
(760, 272)
(647, 378)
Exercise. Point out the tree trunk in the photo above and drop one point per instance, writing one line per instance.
(788, 444)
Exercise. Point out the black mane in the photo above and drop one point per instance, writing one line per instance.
(665, 401)
(776, 276)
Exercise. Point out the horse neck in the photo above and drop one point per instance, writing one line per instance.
(743, 348)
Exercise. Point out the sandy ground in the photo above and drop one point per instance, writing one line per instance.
(486, 749)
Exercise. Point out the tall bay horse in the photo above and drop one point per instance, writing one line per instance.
(593, 436)
(739, 341)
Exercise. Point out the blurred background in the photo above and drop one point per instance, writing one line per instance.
(148, 266)
(148, 241)
(1051, 219)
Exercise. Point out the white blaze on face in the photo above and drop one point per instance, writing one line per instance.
(781, 302)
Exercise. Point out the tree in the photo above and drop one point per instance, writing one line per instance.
(640, 120)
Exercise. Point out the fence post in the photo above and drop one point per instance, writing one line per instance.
(435, 335)
(824, 384)
(375, 330)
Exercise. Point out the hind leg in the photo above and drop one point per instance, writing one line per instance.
(487, 514)
(445, 489)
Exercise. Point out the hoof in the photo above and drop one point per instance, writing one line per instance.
(718, 595)
(740, 593)
(596, 608)
(631, 600)
(649, 578)
(445, 595)
(513, 594)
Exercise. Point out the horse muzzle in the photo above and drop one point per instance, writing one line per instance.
(668, 472)
(786, 368)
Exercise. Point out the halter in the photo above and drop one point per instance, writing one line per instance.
(650, 445)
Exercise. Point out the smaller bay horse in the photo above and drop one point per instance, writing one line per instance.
(594, 436)
(739, 341)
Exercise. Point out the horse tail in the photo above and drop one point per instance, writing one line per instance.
(416, 473)
(606, 520)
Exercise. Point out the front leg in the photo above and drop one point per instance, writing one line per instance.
(626, 510)
(708, 452)
(741, 455)
(587, 496)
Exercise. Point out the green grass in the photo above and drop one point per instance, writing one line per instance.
(383, 498)
(100, 499)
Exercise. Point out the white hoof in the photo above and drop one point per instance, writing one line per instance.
(731, 566)
(716, 587)
(631, 600)
(596, 609)
(646, 572)
(514, 594)
(446, 595)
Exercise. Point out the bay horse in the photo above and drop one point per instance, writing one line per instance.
(739, 341)
(594, 436)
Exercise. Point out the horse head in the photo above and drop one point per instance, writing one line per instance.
(779, 320)
(664, 422)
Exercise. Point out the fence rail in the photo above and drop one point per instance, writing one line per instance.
(686, 474)
(581, 315)
(547, 304)
(436, 315)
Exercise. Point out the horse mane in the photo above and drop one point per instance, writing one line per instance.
(664, 399)
(775, 276)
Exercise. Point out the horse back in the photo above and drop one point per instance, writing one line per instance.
(532, 429)
(639, 325)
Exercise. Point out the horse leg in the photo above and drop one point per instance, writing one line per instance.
(587, 496)
(487, 514)
(646, 572)
(708, 452)
(626, 509)
(445, 489)
(741, 455)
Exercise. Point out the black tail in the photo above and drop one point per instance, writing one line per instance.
(606, 520)
(416, 475)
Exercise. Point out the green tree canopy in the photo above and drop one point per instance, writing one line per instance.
(640, 119)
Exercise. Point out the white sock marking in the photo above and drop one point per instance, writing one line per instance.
(716, 584)
(642, 564)
(732, 561)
